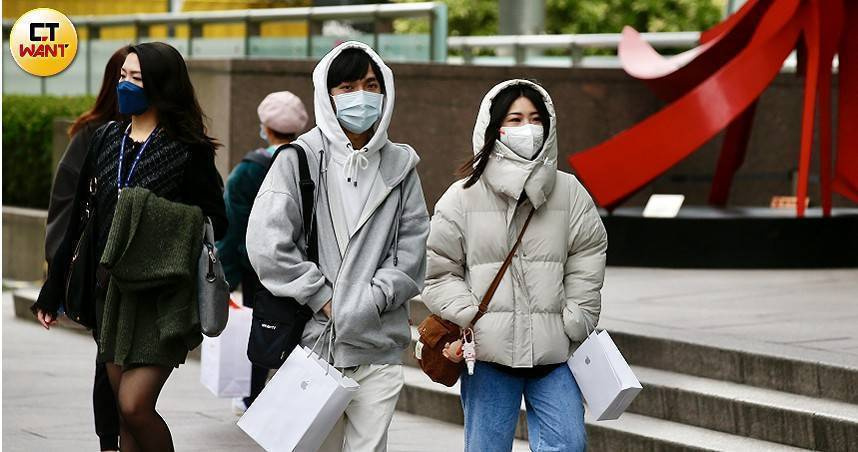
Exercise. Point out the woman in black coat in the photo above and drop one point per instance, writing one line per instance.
(165, 149)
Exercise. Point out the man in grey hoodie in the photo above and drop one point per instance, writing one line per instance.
(372, 226)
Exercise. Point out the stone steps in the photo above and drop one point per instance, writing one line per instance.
(765, 365)
(724, 386)
(743, 410)
(413, 433)
(737, 395)
(630, 433)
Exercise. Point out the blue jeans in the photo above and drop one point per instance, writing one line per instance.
(491, 400)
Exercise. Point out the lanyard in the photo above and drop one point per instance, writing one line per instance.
(119, 183)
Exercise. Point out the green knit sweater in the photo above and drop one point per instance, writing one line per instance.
(150, 314)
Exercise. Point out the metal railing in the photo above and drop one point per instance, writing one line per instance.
(576, 44)
(518, 50)
(436, 12)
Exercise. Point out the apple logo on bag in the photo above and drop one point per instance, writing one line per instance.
(587, 360)
(305, 384)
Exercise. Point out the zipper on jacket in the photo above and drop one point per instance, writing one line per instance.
(342, 260)
(517, 275)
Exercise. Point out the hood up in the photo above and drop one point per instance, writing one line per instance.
(509, 173)
(326, 117)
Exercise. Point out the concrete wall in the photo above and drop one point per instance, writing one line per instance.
(23, 243)
(24, 229)
(436, 107)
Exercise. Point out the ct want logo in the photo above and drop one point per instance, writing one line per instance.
(43, 42)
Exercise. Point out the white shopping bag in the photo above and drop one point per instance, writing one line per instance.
(299, 406)
(224, 367)
(606, 380)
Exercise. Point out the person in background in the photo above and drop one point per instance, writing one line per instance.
(60, 210)
(549, 298)
(282, 117)
(372, 225)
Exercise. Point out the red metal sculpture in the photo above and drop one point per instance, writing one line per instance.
(716, 85)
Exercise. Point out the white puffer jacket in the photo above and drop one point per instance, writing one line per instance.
(549, 297)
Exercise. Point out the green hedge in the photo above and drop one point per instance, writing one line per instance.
(27, 138)
(480, 17)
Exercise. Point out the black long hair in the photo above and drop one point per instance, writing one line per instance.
(168, 88)
(474, 167)
(106, 107)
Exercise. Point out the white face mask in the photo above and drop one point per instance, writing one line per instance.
(358, 110)
(524, 140)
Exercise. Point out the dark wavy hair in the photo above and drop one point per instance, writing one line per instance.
(106, 107)
(168, 88)
(474, 167)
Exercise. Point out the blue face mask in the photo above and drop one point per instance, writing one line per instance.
(359, 110)
(132, 98)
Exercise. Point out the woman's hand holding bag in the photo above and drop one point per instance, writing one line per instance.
(453, 351)
(443, 363)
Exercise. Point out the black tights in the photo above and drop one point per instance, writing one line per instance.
(137, 390)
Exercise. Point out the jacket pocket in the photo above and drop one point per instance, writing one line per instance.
(356, 317)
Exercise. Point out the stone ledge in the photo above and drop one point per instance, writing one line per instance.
(24, 298)
(746, 361)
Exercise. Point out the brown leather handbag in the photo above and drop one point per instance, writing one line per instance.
(436, 333)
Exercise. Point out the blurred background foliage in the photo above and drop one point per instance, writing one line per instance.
(480, 17)
(27, 144)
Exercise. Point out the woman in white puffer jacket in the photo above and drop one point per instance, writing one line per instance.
(548, 299)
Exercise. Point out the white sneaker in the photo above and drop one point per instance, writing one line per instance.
(238, 406)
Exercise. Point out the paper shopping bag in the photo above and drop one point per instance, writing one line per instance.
(224, 367)
(300, 405)
(607, 382)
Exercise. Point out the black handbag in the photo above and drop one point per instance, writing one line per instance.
(80, 287)
(212, 288)
(278, 322)
(71, 280)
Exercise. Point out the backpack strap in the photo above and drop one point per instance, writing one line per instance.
(308, 207)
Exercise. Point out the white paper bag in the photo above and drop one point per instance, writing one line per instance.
(299, 406)
(606, 380)
(224, 367)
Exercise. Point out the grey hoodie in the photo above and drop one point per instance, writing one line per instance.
(380, 268)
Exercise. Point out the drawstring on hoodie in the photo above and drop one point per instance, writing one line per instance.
(396, 229)
(356, 159)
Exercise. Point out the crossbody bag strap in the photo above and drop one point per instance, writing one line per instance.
(307, 187)
(484, 304)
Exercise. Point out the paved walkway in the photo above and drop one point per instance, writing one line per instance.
(47, 375)
(47, 387)
(806, 310)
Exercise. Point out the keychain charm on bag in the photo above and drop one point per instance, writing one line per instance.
(436, 334)
(469, 349)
